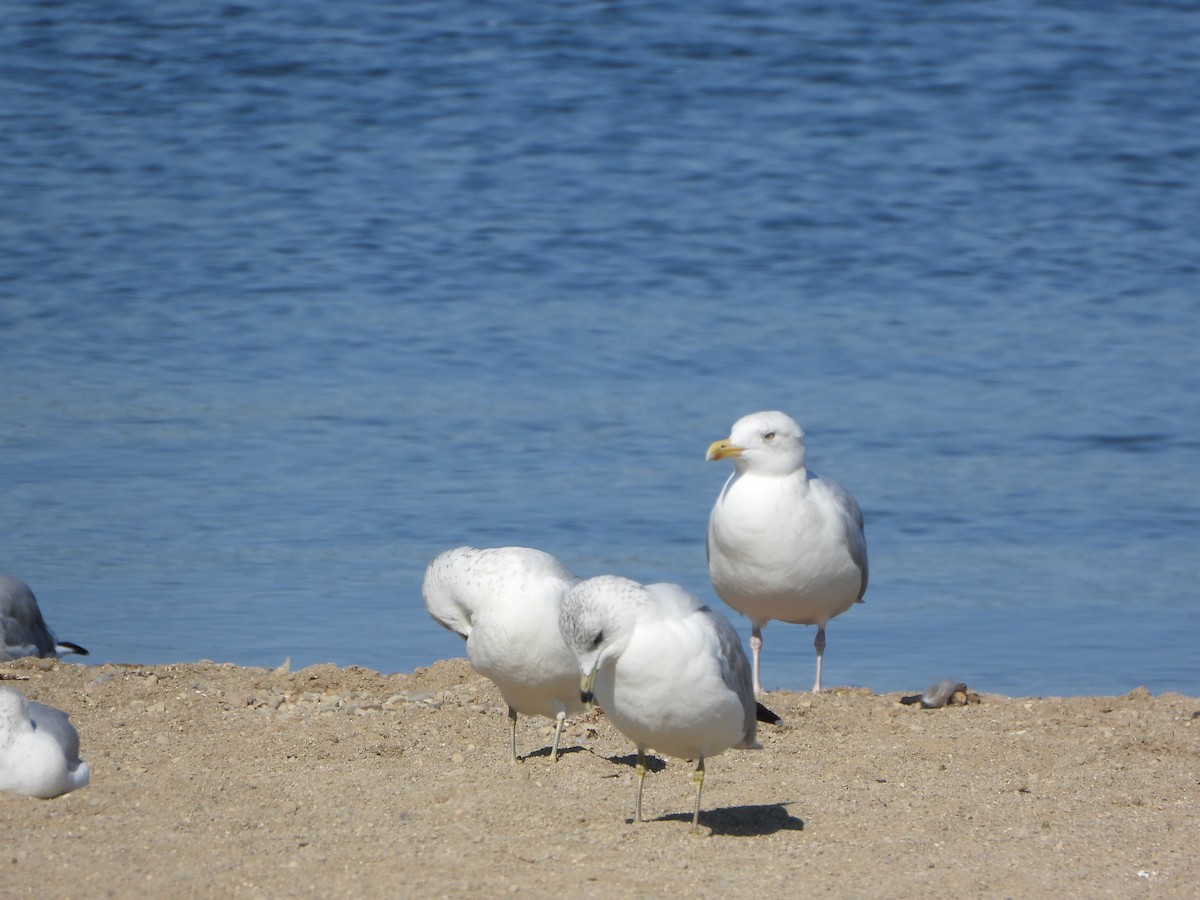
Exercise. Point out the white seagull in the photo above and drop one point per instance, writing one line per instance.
(23, 631)
(783, 543)
(669, 672)
(39, 748)
(505, 602)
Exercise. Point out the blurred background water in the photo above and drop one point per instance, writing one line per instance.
(295, 295)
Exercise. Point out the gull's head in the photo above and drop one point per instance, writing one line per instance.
(14, 715)
(596, 618)
(770, 443)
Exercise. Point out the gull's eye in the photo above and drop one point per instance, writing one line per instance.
(598, 640)
(769, 436)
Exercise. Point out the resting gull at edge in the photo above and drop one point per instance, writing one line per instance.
(23, 631)
(39, 748)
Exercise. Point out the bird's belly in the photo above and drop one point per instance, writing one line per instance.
(805, 582)
(534, 679)
(684, 736)
(705, 720)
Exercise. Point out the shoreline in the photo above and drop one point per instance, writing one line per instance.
(219, 779)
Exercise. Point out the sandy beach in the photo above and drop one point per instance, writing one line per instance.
(217, 780)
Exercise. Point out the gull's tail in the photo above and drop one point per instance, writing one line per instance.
(765, 715)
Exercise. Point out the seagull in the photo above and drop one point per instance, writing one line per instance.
(504, 602)
(23, 631)
(39, 748)
(783, 543)
(669, 672)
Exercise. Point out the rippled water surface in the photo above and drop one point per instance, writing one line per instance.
(295, 295)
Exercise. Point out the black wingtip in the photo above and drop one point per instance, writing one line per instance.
(765, 715)
(68, 647)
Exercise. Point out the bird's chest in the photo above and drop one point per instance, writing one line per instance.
(778, 532)
(769, 520)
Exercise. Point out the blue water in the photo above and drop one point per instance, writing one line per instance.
(295, 295)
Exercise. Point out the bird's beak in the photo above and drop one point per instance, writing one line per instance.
(586, 683)
(725, 449)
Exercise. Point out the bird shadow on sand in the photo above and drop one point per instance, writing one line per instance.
(743, 821)
(545, 751)
(653, 763)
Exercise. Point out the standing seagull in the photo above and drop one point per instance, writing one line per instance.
(505, 603)
(668, 672)
(23, 631)
(783, 543)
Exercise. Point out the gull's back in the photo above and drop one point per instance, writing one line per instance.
(23, 631)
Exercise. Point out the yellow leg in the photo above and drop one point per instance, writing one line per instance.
(562, 718)
(698, 777)
(641, 778)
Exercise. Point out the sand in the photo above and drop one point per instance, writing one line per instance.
(216, 780)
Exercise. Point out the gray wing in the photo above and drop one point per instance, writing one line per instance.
(23, 631)
(735, 671)
(852, 522)
(56, 723)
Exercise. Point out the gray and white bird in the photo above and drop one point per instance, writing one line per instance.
(505, 602)
(39, 748)
(783, 543)
(23, 631)
(669, 672)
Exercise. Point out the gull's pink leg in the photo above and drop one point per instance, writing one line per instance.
(755, 646)
(819, 643)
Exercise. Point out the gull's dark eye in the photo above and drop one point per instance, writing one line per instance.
(769, 436)
(598, 640)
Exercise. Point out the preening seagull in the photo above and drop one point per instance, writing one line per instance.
(669, 672)
(505, 602)
(23, 631)
(783, 543)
